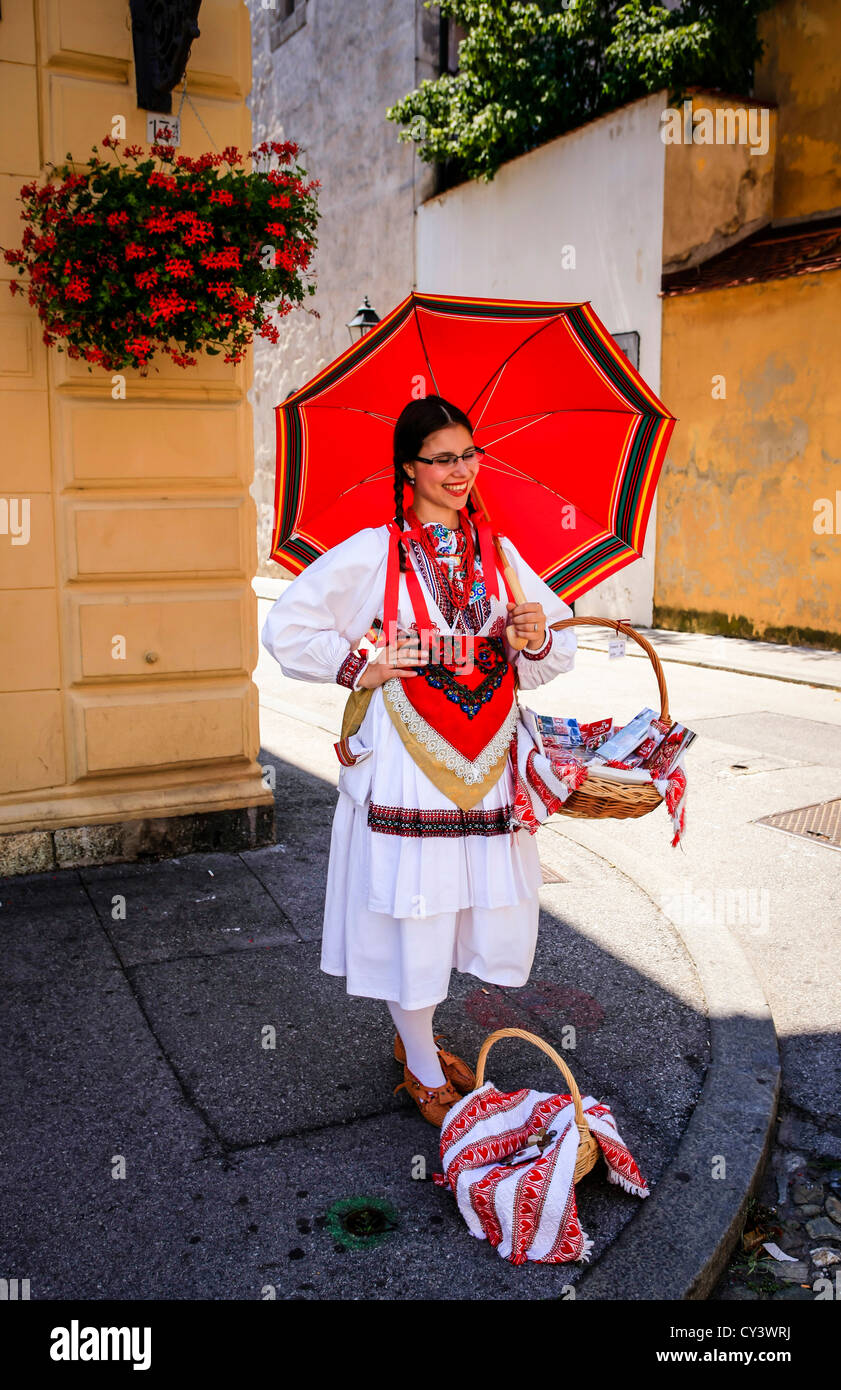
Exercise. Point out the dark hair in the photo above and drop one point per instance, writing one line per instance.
(415, 421)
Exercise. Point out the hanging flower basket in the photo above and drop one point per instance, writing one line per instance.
(159, 251)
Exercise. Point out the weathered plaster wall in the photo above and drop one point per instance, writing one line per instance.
(737, 550)
(716, 194)
(801, 72)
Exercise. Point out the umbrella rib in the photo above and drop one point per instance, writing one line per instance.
(513, 471)
(555, 319)
(526, 426)
(423, 345)
(491, 396)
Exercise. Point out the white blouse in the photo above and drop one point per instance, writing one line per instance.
(327, 609)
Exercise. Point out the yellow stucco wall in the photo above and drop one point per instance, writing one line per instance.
(736, 546)
(801, 71)
(736, 549)
(141, 521)
(717, 193)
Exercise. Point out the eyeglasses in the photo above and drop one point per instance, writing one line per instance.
(447, 460)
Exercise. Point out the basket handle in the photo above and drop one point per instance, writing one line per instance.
(580, 1119)
(624, 628)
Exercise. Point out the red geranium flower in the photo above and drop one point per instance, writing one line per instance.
(159, 221)
(78, 289)
(227, 259)
(113, 299)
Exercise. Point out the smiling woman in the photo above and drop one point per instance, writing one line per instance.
(432, 866)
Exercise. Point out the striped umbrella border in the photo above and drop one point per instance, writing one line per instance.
(632, 503)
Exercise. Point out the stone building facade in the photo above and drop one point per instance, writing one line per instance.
(324, 74)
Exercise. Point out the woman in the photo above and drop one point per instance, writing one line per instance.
(428, 869)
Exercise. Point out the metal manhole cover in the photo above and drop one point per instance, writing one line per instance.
(820, 823)
(360, 1223)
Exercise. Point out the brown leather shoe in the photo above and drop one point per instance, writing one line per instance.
(454, 1068)
(432, 1101)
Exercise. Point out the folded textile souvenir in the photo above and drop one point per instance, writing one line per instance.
(526, 1208)
(541, 785)
(545, 775)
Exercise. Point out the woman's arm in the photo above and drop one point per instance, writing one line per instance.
(557, 654)
(312, 629)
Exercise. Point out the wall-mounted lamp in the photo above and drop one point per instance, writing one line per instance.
(363, 321)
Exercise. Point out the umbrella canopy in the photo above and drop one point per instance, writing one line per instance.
(574, 437)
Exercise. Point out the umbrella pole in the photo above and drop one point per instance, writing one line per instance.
(516, 588)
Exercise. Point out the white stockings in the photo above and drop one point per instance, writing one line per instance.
(415, 1028)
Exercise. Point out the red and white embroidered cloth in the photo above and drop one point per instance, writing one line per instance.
(543, 782)
(527, 1210)
(415, 886)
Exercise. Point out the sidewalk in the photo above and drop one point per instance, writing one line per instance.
(174, 1014)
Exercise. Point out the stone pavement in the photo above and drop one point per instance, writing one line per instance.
(194, 1109)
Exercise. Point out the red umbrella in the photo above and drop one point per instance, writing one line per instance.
(574, 437)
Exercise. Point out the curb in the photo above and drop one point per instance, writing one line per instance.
(708, 664)
(678, 1244)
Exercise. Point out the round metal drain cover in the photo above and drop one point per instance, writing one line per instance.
(359, 1223)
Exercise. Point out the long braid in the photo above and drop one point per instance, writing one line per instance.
(399, 475)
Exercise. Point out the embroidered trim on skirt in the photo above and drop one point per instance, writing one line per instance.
(412, 820)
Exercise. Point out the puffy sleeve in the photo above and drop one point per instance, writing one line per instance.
(558, 651)
(313, 627)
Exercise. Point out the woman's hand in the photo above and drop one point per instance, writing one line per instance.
(529, 621)
(397, 659)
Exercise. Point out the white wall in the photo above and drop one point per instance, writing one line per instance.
(600, 190)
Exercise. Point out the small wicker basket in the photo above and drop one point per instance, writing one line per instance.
(600, 797)
(588, 1148)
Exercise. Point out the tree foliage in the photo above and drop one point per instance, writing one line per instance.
(529, 71)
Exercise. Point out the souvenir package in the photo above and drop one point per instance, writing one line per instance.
(623, 741)
(652, 738)
(676, 741)
(567, 741)
(560, 733)
(594, 734)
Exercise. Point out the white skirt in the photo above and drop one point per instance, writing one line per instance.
(402, 911)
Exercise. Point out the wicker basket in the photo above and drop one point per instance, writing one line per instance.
(588, 1149)
(599, 797)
